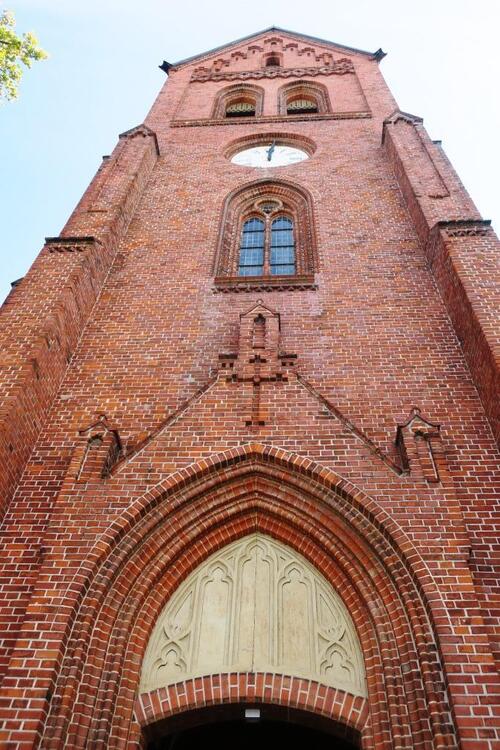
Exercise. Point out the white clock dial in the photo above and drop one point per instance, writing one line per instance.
(269, 156)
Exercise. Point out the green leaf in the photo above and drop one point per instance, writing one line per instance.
(14, 51)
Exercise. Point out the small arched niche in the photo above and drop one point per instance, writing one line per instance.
(255, 606)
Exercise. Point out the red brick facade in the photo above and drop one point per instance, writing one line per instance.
(156, 406)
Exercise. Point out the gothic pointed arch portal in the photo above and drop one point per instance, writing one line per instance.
(255, 606)
(339, 535)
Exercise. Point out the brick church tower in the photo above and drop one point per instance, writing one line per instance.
(248, 428)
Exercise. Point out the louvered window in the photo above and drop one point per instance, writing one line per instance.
(240, 109)
(301, 106)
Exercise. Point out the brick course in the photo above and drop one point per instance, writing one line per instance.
(136, 438)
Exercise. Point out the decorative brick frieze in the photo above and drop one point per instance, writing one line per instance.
(339, 67)
(467, 228)
(235, 284)
(70, 244)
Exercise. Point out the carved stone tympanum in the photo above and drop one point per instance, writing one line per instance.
(258, 606)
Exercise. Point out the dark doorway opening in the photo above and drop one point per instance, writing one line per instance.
(274, 730)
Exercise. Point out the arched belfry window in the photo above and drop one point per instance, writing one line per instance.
(237, 101)
(267, 232)
(303, 98)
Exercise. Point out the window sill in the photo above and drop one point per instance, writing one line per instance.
(224, 284)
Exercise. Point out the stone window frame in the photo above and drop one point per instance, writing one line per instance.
(307, 90)
(231, 94)
(240, 205)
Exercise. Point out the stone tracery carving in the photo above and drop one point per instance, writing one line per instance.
(256, 605)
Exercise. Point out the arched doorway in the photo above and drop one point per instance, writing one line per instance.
(150, 551)
(249, 727)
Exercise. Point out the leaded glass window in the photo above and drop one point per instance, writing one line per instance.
(282, 255)
(252, 248)
(267, 247)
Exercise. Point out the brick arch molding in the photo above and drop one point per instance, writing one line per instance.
(145, 555)
(299, 204)
(238, 91)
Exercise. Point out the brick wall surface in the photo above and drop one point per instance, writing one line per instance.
(139, 434)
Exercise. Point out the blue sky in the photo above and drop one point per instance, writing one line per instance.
(102, 77)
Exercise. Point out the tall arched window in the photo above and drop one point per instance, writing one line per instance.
(267, 238)
(252, 246)
(282, 253)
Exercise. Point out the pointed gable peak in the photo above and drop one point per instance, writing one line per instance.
(266, 35)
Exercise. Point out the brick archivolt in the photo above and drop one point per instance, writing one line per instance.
(237, 93)
(306, 90)
(238, 205)
(147, 554)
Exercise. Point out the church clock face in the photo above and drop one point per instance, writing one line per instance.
(270, 155)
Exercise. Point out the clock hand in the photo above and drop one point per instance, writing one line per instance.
(270, 150)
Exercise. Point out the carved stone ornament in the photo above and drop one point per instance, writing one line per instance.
(255, 606)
